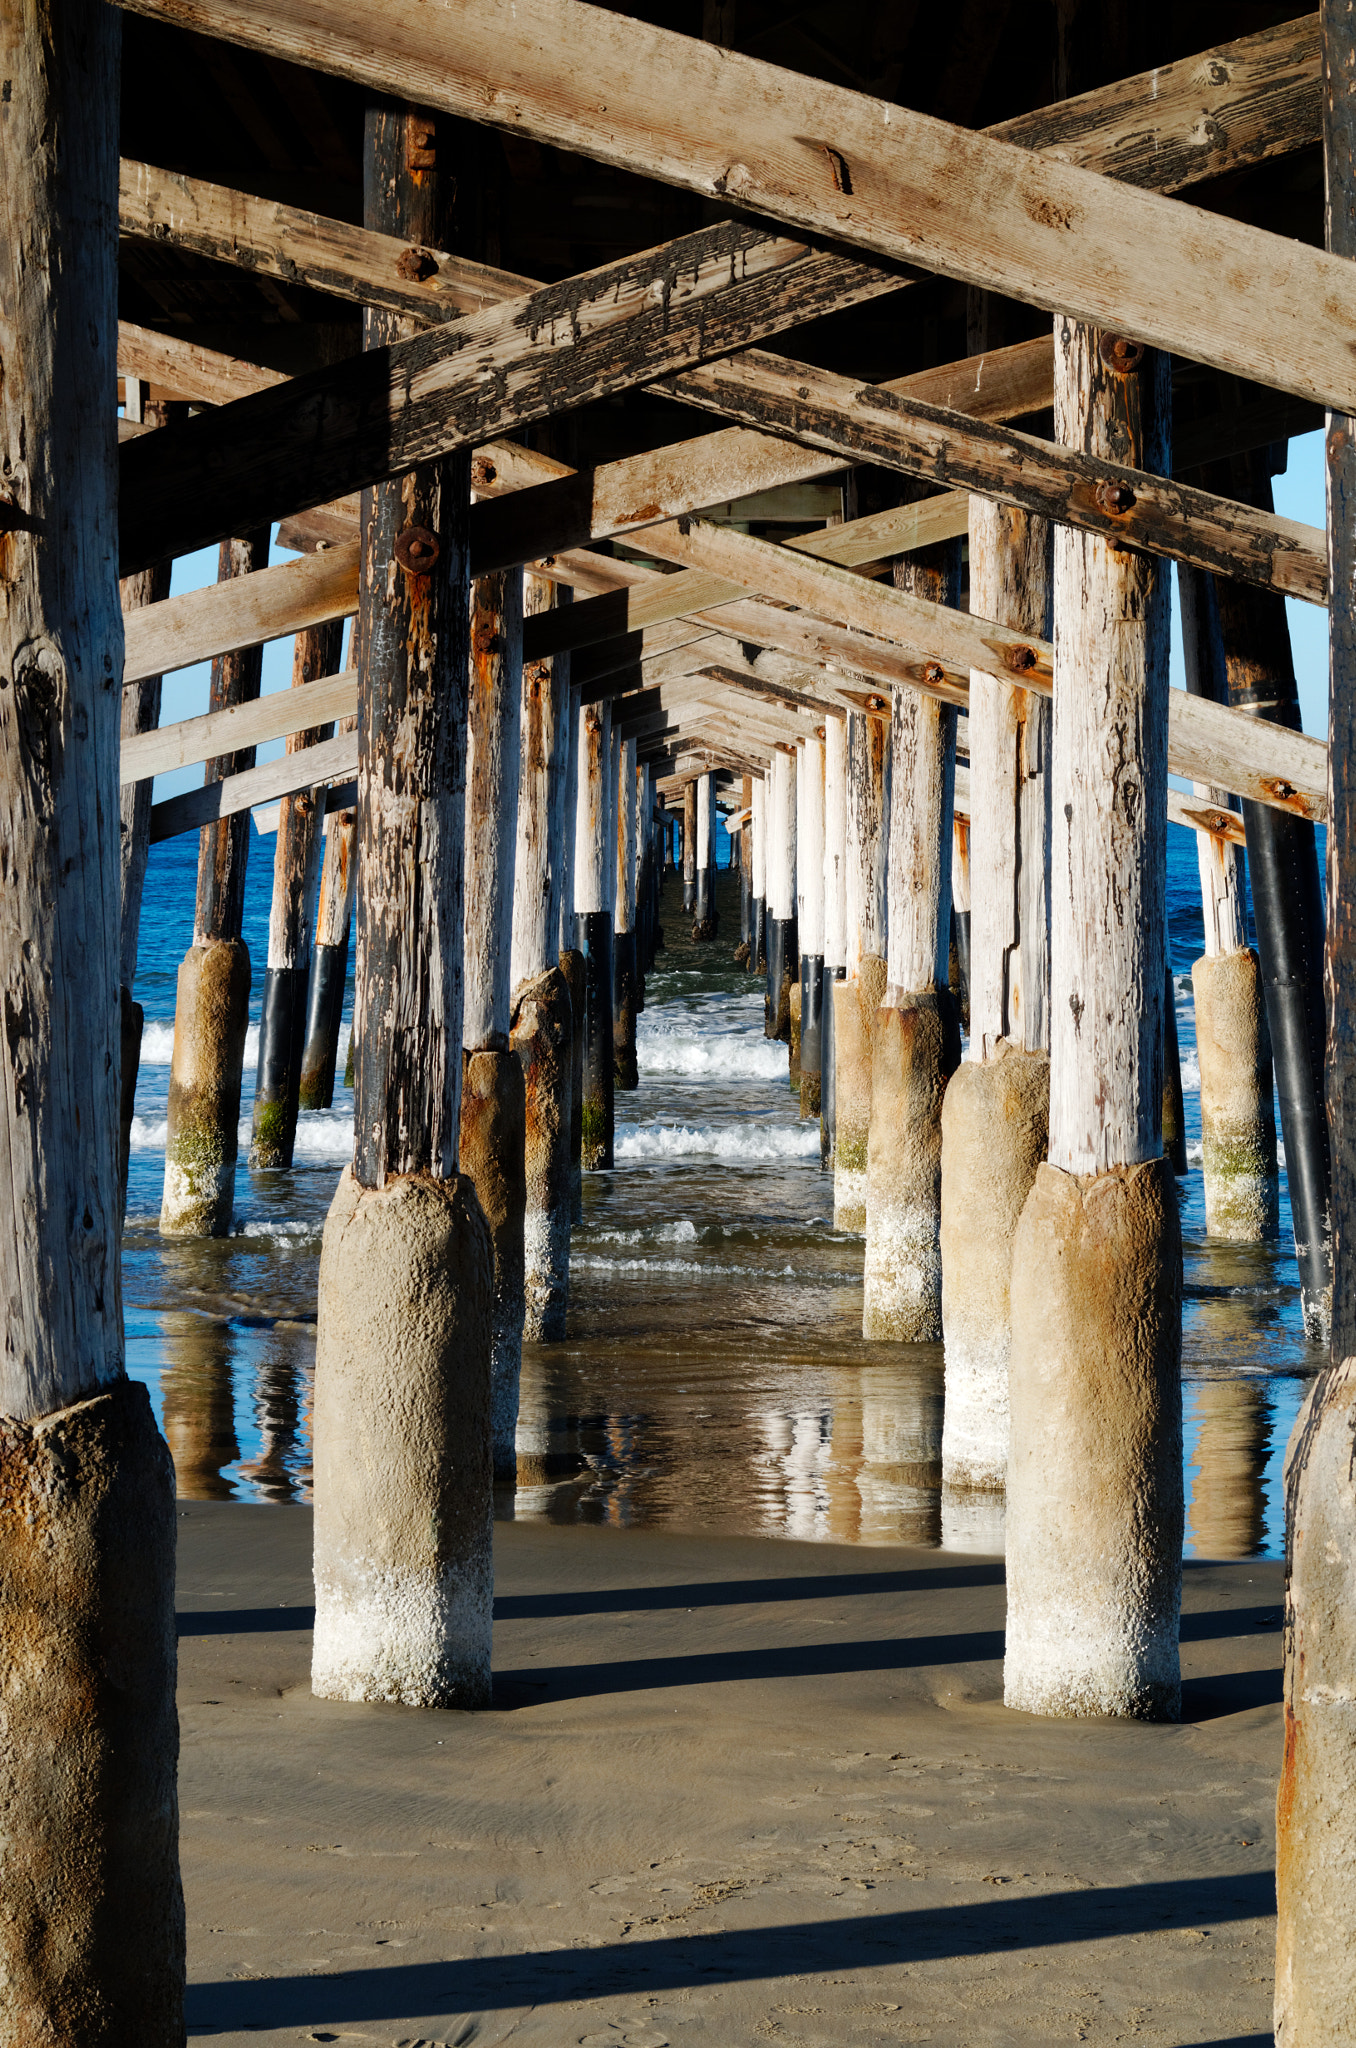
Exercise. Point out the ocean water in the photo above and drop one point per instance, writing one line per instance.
(714, 1373)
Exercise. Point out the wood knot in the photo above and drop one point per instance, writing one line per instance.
(416, 265)
(1120, 354)
(416, 550)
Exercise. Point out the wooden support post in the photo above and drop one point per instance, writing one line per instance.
(403, 1486)
(211, 1010)
(594, 887)
(835, 921)
(995, 1120)
(329, 957)
(92, 1934)
(690, 849)
(1287, 903)
(140, 713)
(757, 829)
(572, 959)
(856, 1003)
(705, 916)
(493, 1102)
(1094, 1576)
(741, 956)
(543, 1017)
(1316, 1800)
(296, 871)
(916, 1037)
(783, 951)
(1233, 1041)
(958, 964)
(625, 965)
(810, 919)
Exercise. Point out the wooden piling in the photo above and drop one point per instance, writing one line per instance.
(1316, 1799)
(757, 829)
(705, 916)
(783, 951)
(403, 1473)
(1095, 1578)
(92, 1932)
(211, 1011)
(594, 887)
(916, 1033)
(329, 957)
(810, 919)
(835, 922)
(296, 875)
(856, 1003)
(625, 965)
(690, 849)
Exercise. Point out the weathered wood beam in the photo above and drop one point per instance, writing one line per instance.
(176, 211)
(236, 793)
(860, 423)
(202, 624)
(275, 717)
(899, 185)
(203, 376)
(384, 412)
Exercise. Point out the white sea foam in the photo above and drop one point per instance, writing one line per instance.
(735, 1144)
(723, 1054)
(278, 1227)
(157, 1044)
(1191, 1073)
(680, 1231)
(321, 1134)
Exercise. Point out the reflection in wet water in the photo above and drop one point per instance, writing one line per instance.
(715, 1374)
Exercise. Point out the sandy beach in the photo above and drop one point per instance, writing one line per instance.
(729, 1791)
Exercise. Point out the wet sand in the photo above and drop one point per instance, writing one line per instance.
(730, 1791)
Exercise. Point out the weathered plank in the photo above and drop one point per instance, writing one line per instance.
(861, 423)
(238, 726)
(174, 210)
(900, 185)
(271, 603)
(237, 793)
(382, 413)
(223, 853)
(187, 369)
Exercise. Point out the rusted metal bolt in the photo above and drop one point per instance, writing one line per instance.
(1020, 660)
(934, 675)
(416, 550)
(1115, 497)
(483, 472)
(1120, 354)
(876, 704)
(416, 265)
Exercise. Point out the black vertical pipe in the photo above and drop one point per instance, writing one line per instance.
(1174, 1121)
(811, 1033)
(324, 1015)
(828, 1086)
(757, 962)
(593, 937)
(960, 963)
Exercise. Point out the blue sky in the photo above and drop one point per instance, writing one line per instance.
(1299, 495)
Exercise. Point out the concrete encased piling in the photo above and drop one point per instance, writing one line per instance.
(1238, 1120)
(202, 1141)
(810, 919)
(996, 1118)
(916, 1038)
(403, 1582)
(1233, 1040)
(1094, 1572)
(594, 871)
(995, 1133)
(403, 1519)
(211, 1018)
(705, 917)
(625, 959)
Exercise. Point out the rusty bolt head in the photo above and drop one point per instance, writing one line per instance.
(934, 675)
(416, 265)
(876, 704)
(417, 550)
(1120, 354)
(1115, 497)
(1020, 660)
(483, 472)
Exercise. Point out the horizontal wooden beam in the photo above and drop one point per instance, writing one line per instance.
(274, 717)
(862, 423)
(244, 612)
(375, 415)
(313, 765)
(1198, 816)
(897, 185)
(176, 211)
